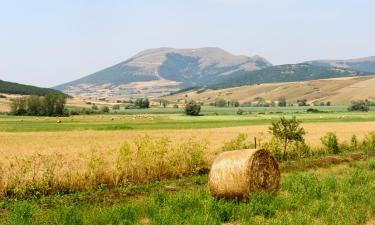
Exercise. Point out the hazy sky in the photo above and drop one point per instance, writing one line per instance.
(49, 42)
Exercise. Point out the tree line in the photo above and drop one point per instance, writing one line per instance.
(49, 105)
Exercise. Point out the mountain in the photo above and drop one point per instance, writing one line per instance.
(338, 91)
(21, 89)
(159, 71)
(361, 64)
(285, 73)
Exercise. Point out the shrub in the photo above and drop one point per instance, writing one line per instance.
(116, 107)
(330, 142)
(192, 108)
(220, 102)
(312, 110)
(275, 147)
(369, 142)
(354, 141)
(240, 112)
(175, 106)
(94, 107)
(142, 103)
(238, 143)
(104, 109)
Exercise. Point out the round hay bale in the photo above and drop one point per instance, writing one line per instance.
(237, 174)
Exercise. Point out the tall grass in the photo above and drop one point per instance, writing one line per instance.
(143, 161)
(333, 197)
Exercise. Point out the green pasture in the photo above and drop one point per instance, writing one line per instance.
(152, 119)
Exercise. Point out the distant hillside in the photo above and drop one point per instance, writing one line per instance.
(159, 71)
(336, 90)
(361, 64)
(285, 73)
(21, 89)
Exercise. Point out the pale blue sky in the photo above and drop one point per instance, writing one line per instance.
(48, 42)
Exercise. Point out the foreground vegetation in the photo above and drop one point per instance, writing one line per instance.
(329, 196)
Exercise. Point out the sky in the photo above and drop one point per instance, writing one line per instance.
(47, 43)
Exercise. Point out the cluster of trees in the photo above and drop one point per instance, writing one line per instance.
(361, 105)
(140, 103)
(50, 105)
(224, 103)
(192, 108)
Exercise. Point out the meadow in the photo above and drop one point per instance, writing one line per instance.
(151, 168)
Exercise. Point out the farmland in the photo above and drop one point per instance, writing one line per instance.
(150, 167)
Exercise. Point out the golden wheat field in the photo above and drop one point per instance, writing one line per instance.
(75, 142)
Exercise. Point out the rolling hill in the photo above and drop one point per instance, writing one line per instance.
(336, 90)
(159, 71)
(366, 64)
(21, 89)
(285, 73)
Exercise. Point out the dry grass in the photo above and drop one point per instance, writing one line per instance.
(76, 142)
(37, 163)
(337, 91)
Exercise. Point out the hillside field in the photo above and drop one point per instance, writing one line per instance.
(339, 91)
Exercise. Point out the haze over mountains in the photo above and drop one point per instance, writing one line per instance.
(157, 72)
(366, 64)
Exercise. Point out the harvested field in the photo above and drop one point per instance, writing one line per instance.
(74, 142)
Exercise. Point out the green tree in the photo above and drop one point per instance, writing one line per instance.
(18, 106)
(54, 105)
(142, 103)
(34, 105)
(192, 108)
(104, 109)
(116, 107)
(359, 106)
(287, 131)
(220, 102)
(282, 101)
(302, 102)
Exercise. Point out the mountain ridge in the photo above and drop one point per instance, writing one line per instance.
(162, 70)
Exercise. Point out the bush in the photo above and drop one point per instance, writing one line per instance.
(369, 142)
(104, 109)
(192, 108)
(240, 112)
(238, 143)
(287, 131)
(312, 110)
(330, 142)
(220, 103)
(142, 103)
(359, 106)
(175, 106)
(94, 107)
(354, 142)
(116, 107)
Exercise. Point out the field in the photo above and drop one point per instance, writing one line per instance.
(150, 167)
(336, 90)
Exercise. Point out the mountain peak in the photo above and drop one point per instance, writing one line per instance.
(158, 71)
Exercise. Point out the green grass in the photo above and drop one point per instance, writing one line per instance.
(172, 121)
(343, 196)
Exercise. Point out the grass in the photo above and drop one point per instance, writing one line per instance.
(336, 196)
(169, 121)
